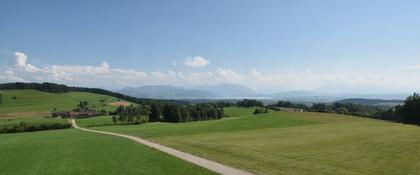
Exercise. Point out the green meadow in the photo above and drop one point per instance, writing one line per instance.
(231, 124)
(292, 142)
(31, 120)
(33, 103)
(271, 143)
(73, 151)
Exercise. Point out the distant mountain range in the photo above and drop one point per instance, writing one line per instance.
(167, 92)
(221, 91)
(232, 91)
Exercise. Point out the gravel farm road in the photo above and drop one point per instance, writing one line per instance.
(208, 164)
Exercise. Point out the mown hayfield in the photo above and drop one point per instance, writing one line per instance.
(293, 142)
(75, 152)
(33, 103)
(225, 125)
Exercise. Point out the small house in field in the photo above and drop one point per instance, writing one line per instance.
(88, 113)
(80, 114)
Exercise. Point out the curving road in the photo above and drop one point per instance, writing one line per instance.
(208, 164)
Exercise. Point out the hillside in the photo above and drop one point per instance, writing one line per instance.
(35, 103)
(72, 151)
(61, 88)
(291, 142)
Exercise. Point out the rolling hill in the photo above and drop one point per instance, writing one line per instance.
(35, 103)
(291, 142)
(72, 151)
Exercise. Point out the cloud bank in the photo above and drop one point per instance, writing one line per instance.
(106, 76)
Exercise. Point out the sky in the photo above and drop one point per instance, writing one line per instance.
(269, 46)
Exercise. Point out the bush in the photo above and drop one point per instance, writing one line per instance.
(25, 127)
(260, 111)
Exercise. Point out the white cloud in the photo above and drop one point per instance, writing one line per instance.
(199, 77)
(20, 58)
(159, 75)
(408, 67)
(21, 62)
(9, 72)
(254, 73)
(105, 65)
(227, 75)
(92, 76)
(9, 76)
(104, 75)
(197, 61)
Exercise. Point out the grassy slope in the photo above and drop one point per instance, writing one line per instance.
(293, 142)
(30, 103)
(31, 121)
(76, 152)
(230, 124)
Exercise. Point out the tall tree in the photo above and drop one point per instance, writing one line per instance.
(410, 111)
(155, 112)
(171, 113)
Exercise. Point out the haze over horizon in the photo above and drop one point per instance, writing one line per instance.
(269, 46)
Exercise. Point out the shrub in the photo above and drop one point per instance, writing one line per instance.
(26, 127)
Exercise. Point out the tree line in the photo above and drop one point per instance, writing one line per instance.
(30, 127)
(130, 114)
(60, 88)
(408, 112)
(249, 103)
(166, 113)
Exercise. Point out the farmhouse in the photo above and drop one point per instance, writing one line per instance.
(85, 113)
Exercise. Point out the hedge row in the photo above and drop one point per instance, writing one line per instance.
(27, 127)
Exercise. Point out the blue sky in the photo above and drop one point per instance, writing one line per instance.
(266, 45)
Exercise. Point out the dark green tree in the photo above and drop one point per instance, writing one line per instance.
(410, 110)
(171, 113)
(114, 119)
(155, 112)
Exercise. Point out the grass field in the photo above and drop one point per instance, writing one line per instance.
(32, 120)
(234, 123)
(293, 142)
(77, 152)
(33, 103)
(273, 143)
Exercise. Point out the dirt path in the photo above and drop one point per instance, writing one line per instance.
(210, 165)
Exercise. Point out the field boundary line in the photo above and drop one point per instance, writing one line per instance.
(208, 164)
